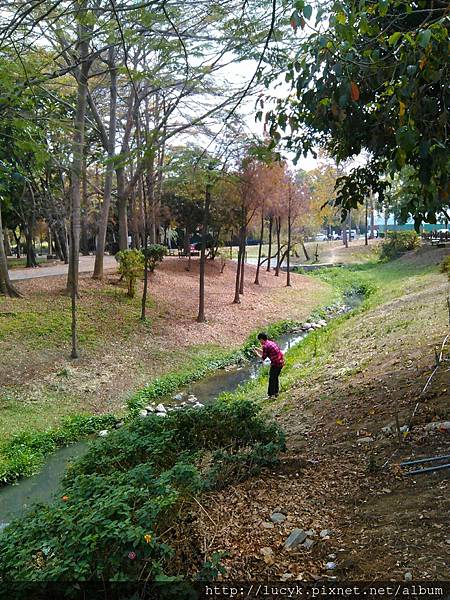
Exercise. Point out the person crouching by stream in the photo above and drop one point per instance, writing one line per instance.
(272, 351)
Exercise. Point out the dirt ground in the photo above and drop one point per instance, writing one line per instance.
(341, 471)
(120, 354)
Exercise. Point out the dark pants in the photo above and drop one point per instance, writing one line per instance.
(274, 386)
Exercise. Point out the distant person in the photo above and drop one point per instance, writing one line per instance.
(272, 351)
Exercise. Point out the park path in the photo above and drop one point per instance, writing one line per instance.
(86, 266)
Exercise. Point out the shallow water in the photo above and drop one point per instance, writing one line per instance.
(16, 499)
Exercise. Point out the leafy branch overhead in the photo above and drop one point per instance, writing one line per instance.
(371, 77)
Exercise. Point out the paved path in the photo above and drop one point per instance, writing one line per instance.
(86, 266)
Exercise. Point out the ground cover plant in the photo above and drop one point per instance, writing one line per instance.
(119, 499)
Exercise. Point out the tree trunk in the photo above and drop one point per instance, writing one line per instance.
(241, 251)
(305, 251)
(107, 192)
(261, 236)
(288, 252)
(84, 240)
(270, 242)
(201, 300)
(372, 218)
(278, 231)
(17, 240)
(366, 222)
(76, 168)
(6, 287)
(6, 241)
(122, 202)
(145, 213)
(244, 246)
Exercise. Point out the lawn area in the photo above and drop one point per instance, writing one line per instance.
(40, 384)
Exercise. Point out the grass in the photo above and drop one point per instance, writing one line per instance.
(381, 283)
(20, 263)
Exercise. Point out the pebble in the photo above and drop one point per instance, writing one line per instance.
(308, 544)
(103, 433)
(267, 525)
(330, 566)
(178, 397)
(277, 517)
(161, 408)
(325, 533)
(365, 440)
(280, 509)
(266, 551)
(311, 532)
(296, 537)
(119, 424)
(408, 576)
(286, 576)
(149, 408)
(161, 414)
(143, 413)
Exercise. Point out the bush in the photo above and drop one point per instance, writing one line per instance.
(397, 242)
(445, 266)
(131, 266)
(154, 255)
(129, 489)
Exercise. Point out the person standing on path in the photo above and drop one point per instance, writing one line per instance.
(272, 351)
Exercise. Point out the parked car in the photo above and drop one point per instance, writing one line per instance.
(320, 237)
(336, 236)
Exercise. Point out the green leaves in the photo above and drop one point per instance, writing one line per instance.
(424, 37)
(307, 11)
(393, 39)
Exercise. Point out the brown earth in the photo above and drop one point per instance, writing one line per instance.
(119, 353)
(383, 524)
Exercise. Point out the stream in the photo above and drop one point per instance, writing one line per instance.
(17, 498)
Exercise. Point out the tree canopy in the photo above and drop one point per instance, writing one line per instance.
(372, 77)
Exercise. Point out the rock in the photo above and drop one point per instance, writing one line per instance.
(198, 405)
(149, 408)
(161, 414)
(404, 428)
(277, 517)
(119, 424)
(365, 440)
(408, 576)
(161, 408)
(178, 397)
(268, 555)
(307, 326)
(311, 532)
(389, 429)
(333, 556)
(330, 566)
(308, 544)
(325, 533)
(192, 398)
(297, 537)
(322, 322)
(143, 413)
(286, 576)
(103, 433)
(266, 525)
(441, 425)
(280, 509)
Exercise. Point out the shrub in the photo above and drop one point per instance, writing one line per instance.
(397, 242)
(154, 255)
(445, 266)
(129, 489)
(131, 266)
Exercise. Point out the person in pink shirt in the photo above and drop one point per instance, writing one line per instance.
(272, 351)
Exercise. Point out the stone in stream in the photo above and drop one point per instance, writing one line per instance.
(103, 433)
(296, 537)
(307, 326)
(161, 408)
(149, 408)
(178, 397)
(143, 413)
(277, 517)
(322, 322)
